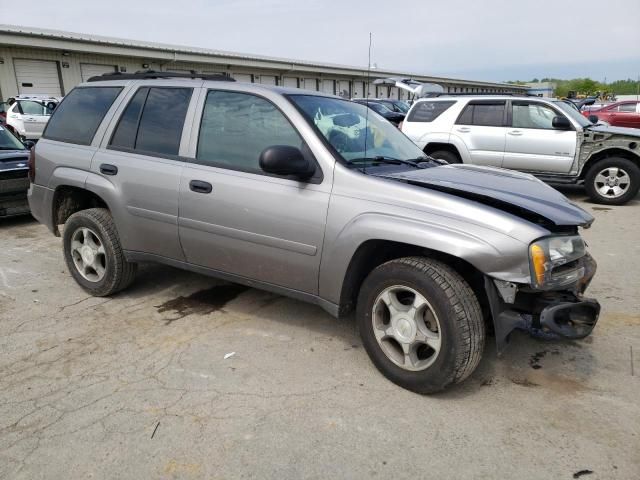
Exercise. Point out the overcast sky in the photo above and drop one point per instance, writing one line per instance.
(483, 39)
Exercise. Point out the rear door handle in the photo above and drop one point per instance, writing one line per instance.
(515, 132)
(464, 129)
(108, 169)
(199, 186)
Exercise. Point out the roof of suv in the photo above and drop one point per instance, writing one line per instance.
(194, 79)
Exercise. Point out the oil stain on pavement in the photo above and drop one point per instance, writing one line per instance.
(202, 302)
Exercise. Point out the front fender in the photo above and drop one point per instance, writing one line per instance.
(491, 252)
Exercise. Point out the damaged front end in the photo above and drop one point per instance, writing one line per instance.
(562, 313)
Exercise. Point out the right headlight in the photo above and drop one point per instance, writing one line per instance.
(553, 261)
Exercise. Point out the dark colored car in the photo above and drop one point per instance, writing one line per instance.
(398, 106)
(3, 113)
(381, 109)
(619, 114)
(14, 181)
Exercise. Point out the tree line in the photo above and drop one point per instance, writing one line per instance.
(587, 86)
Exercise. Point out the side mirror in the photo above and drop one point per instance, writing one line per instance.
(285, 160)
(29, 144)
(593, 118)
(561, 123)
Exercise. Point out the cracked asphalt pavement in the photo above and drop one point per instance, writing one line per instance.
(137, 386)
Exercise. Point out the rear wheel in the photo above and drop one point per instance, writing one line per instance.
(420, 324)
(94, 255)
(446, 155)
(612, 181)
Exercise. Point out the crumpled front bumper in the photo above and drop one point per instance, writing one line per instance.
(563, 314)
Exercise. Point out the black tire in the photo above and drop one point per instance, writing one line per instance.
(446, 155)
(623, 164)
(118, 272)
(462, 327)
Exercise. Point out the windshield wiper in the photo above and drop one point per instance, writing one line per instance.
(382, 159)
(11, 148)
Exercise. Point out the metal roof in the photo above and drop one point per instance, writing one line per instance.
(287, 63)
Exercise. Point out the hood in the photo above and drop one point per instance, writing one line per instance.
(608, 129)
(517, 193)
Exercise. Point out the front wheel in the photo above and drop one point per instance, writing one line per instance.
(612, 181)
(93, 253)
(420, 323)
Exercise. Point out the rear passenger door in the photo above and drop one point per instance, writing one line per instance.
(140, 165)
(532, 142)
(481, 126)
(235, 218)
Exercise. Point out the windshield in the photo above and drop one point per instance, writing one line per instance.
(355, 131)
(403, 106)
(573, 114)
(8, 141)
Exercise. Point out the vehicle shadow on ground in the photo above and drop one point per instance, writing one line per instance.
(18, 221)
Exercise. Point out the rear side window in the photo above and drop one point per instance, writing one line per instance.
(483, 114)
(627, 107)
(153, 121)
(80, 113)
(237, 127)
(428, 111)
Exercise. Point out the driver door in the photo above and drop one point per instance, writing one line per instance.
(235, 218)
(35, 116)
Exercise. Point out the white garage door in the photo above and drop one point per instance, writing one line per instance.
(88, 70)
(310, 84)
(37, 76)
(358, 89)
(242, 77)
(328, 86)
(290, 82)
(268, 80)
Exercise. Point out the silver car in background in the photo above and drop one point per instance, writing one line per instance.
(314, 197)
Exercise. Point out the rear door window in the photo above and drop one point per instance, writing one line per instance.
(79, 115)
(627, 107)
(486, 114)
(428, 111)
(153, 121)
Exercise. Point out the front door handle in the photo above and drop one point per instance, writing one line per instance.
(464, 129)
(515, 132)
(108, 169)
(199, 186)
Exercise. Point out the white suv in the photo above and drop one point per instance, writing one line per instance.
(28, 115)
(545, 137)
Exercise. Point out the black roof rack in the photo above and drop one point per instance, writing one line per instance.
(150, 74)
(479, 94)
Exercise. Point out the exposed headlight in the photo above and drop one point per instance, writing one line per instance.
(551, 261)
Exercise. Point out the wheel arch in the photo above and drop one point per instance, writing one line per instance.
(372, 253)
(69, 199)
(435, 146)
(610, 152)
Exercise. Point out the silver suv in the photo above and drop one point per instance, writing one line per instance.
(546, 137)
(317, 198)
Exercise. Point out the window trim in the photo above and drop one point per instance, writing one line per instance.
(75, 142)
(318, 176)
(505, 119)
(148, 153)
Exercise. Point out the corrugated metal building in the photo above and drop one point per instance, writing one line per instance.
(53, 62)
